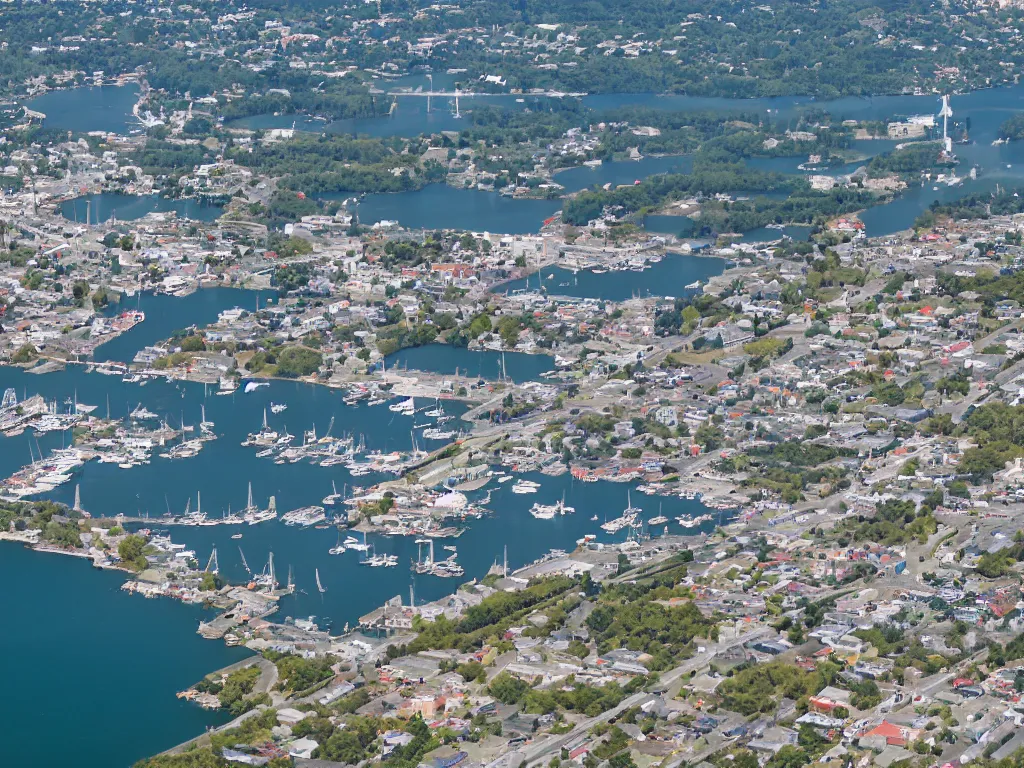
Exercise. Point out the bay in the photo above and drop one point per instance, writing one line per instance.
(76, 644)
(618, 172)
(439, 206)
(112, 205)
(166, 314)
(105, 108)
(669, 277)
(447, 359)
(138, 652)
(354, 590)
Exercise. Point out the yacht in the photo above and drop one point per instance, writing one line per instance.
(338, 548)
(525, 486)
(141, 413)
(265, 437)
(407, 406)
(278, 407)
(548, 511)
(304, 516)
(332, 498)
(351, 542)
(628, 517)
(438, 434)
(227, 385)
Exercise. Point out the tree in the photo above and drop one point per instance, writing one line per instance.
(130, 551)
(471, 670)
(507, 689)
(709, 437)
(26, 353)
(193, 343)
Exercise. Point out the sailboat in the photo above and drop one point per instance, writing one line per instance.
(318, 584)
(333, 498)
(338, 548)
(206, 427)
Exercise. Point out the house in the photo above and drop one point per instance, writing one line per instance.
(893, 735)
(302, 748)
(667, 416)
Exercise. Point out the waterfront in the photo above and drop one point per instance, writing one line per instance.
(669, 277)
(619, 172)
(439, 206)
(447, 360)
(110, 205)
(127, 635)
(166, 314)
(353, 589)
(89, 108)
(110, 660)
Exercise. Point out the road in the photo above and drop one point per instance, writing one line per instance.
(543, 751)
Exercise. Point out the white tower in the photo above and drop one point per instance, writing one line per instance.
(946, 112)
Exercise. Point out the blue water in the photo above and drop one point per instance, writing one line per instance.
(110, 205)
(104, 664)
(766, 235)
(621, 172)
(439, 206)
(669, 277)
(84, 646)
(446, 359)
(680, 226)
(354, 590)
(92, 108)
(167, 314)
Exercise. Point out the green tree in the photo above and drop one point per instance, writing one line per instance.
(130, 550)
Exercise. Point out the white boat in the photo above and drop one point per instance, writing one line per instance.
(252, 386)
(438, 434)
(236, 536)
(548, 511)
(628, 517)
(525, 486)
(351, 542)
(278, 407)
(407, 406)
(333, 498)
(318, 584)
(304, 516)
(141, 413)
